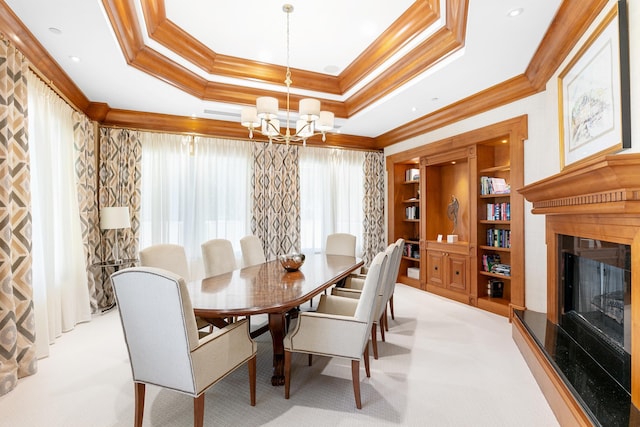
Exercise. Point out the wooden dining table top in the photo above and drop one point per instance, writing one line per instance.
(268, 287)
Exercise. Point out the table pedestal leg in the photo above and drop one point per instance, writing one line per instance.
(277, 329)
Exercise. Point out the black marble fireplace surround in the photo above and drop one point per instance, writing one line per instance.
(590, 346)
(583, 356)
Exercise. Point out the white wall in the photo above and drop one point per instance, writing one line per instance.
(542, 149)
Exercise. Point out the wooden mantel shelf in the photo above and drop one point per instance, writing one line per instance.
(606, 184)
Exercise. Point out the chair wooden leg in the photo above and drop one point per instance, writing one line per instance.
(374, 340)
(393, 316)
(198, 411)
(355, 375)
(366, 361)
(287, 373)
(381, 323)
(252, 379)
(386, 319)
(139, 394)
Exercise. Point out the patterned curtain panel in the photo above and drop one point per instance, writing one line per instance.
(119, 185)
(276, 198)
(17, 325)
(87, 181)
(373, 205)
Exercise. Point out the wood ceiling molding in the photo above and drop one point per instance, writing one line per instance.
(571, 21)
(421, 15)
(155, 122)
(42, 63)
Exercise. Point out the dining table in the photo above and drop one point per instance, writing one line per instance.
(268, 289)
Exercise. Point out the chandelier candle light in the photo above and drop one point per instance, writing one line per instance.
(263, 118)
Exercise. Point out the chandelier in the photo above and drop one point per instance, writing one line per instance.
(263, 118)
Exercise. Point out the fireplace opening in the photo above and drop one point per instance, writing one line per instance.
(595, 301)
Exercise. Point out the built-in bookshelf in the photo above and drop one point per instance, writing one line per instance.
(405, 218)
(481, 261)
(495, 259)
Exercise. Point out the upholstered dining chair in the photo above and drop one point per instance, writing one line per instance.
(340, 327)
(218, 257)
(166, 256)
(394, 252)
(252, 251)
(341, 244)
(172, 258)
(162, 339)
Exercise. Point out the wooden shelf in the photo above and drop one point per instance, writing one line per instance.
(494, 222)
(410, 258)
(495, 248)
(497, 276)
(411, 220)
(494, 195)
(411, 201)
(411, 182)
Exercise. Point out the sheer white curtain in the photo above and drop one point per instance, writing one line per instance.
(61, 295)
(193, 190)
(331, 194)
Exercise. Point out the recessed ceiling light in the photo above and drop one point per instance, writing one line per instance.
(74, 58)
(515, 12)
(55, 30)
(414, 109)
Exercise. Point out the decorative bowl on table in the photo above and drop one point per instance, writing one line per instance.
(291, 262)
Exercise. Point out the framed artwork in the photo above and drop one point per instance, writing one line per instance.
(594, 100)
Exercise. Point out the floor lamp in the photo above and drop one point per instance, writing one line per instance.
(115, 218)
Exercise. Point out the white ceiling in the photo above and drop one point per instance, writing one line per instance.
(325, 36)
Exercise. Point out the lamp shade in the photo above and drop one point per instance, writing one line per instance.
(114, 217)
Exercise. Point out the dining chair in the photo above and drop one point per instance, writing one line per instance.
(340, 327)
(341, 244)
(163, 344)
(394, 252)
(172, 258)
(218, 257)
(252, 251)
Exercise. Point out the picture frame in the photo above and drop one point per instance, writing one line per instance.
(593, 93)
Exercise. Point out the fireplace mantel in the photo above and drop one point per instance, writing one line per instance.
(598, 199)
(607, 184)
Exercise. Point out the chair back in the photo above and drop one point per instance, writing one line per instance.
(252, 251)
(365, 310)
(394, 253)
(168, 257)
(159, 326)
(218, 257)
(341, 244)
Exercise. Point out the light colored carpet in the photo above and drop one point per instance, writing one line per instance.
(443, 364)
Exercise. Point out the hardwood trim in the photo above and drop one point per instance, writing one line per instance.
(156, 122)
(569, 24)
(48, 69)
(571, 21)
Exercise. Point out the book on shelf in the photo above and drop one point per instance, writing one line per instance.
(498, 238)
(495, 288)
(493, 185)
(412, 212)
(489, 260)
(412, 175)
(499, 211)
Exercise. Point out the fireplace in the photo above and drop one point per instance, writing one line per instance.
(595, 301)
(580, 351)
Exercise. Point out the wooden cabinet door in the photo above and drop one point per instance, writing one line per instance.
(435, 270)
(457, 272)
